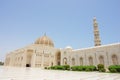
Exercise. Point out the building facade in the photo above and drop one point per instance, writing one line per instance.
(43, 54)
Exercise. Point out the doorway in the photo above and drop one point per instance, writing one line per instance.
(27, 65)
(58, 58)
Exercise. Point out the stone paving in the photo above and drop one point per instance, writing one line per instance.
(10, 73)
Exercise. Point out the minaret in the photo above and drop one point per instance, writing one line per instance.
(97, 41)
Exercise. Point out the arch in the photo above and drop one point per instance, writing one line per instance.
(73, 61)
(58, 58)
(29, 57)
(64, 60)
(81, 61)
(101, 59)
(114, 59)
(90, 60)
(21, 58)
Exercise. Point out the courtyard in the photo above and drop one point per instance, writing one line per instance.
(13, 73)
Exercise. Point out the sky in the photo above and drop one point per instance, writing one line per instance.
(66, 22)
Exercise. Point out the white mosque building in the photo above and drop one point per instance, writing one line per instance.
(43, 54)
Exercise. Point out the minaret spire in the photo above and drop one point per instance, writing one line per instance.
(97, 41)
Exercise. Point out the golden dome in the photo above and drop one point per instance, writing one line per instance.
(44, 40)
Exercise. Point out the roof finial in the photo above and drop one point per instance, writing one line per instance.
(45, 34)
(94, 20)
(94, 17)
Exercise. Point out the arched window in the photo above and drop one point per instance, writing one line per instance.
(73, 61)
(101, 60)
(114, 59)
(21, 58)
(90, 61)
(81, 61)
(65, 61)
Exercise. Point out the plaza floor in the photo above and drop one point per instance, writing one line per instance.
(11, 73)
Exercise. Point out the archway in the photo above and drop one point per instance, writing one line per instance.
(101, 60)
(64, 60)
(28, 65)
(29, 57)
(90, 60)
(58, 58)
(73, 61)
(81, 61)
(114, 59)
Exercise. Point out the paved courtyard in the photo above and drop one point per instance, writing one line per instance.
(39, 74)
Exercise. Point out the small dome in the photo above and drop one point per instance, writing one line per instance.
(68, 47)
(44, 40)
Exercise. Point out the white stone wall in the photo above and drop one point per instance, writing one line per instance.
(95, 52)
(46, 56)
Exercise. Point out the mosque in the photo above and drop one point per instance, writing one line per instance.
(43, 54)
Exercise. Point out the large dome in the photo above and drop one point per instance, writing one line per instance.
(45, 40)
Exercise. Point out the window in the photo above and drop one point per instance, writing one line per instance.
(101, 60)
(90, 61)
(114, 59)
(65, 61)
(81, 61)
(73, 61)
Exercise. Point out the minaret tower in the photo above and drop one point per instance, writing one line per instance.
(97, 41)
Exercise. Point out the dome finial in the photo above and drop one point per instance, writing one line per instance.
(45, 34)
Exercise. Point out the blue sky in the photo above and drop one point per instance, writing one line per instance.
(66, 22)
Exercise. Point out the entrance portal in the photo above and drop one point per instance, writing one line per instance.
(29, 57)
(27, 65)
(58, 57)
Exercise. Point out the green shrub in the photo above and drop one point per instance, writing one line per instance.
(87, 69)
(60, 67)
(45, 68)
(74, 68)
(101, 68)
(49, 68)
(52, 67)
(118, 68)
(80, 68)
(1, 63)
(114, 68)
(66, 67)
(55, 67)
(91, 68)
(77, 68)
(83, 68)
